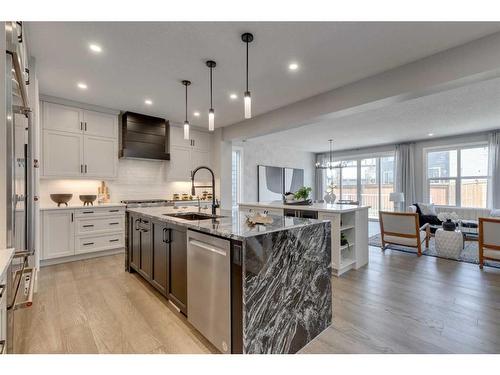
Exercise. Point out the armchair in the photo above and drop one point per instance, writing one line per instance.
(403, 228)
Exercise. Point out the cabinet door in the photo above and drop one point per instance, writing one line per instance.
(146, 249)
(179, 167)
(160, 243)
(135, 243)
(201, 158)
(57, 234)
(201, 140)
(177, 268)
(62, 118)
(177, 137)
(100, 124)
(101, 157)
(62, 154)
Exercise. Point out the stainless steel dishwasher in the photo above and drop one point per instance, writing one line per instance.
(209, 287)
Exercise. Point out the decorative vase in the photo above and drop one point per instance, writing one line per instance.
(449, 225)
(330, 197)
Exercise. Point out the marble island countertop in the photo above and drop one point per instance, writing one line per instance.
(320, 207)
(232, 224)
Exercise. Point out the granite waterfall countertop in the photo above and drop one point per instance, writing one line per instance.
(232, 223)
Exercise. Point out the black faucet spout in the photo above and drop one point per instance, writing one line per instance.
(193, 186)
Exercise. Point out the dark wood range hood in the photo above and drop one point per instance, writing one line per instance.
(144, 137)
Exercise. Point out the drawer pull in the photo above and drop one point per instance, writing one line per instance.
(88, 226)
(114, 210)
(115, 240)
(114, 223)
(2, 290)
(88, 243)
(3, 346)
(88, 212)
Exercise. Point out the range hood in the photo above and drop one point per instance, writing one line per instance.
(144, 137)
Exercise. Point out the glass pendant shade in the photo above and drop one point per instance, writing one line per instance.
(248, 105)
(211, 119)
(186, 129)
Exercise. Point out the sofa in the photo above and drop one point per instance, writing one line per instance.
(464, 213)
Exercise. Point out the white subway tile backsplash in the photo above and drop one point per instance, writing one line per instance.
(137, 179)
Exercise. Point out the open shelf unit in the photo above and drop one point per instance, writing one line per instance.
(353, 227)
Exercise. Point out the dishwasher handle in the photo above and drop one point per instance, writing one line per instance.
(208, 247)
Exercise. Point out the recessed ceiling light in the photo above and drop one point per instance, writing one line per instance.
(293, 66)
(196, 114)
(430, 134)
(95, 48)
(233, 96)
(82, 85)
(148, 102)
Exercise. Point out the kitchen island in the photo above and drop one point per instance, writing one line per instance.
(256, 288)
(349, 228)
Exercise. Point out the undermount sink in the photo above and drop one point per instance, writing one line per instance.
(193, 216)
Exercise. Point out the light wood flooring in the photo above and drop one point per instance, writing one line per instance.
(397, 304)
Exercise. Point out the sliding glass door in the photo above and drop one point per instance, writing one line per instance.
(366, 180)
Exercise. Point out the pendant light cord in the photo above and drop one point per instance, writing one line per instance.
(186, 103)
(211, 105)
(247, 66)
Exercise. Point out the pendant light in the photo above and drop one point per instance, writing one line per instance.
(329, 164)
(211, 113)
(247, 38)
(186, 122)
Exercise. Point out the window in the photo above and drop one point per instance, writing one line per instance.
(236, 176)
(367, 180)
(458, 176)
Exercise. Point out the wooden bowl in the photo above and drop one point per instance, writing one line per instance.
(88, 199)
(61, 198)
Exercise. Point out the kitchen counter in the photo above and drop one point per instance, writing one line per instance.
(5, 259)
(319, 207)
(232, 224)
(280, 274)
(53, 206)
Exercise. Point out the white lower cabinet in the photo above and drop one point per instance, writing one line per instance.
(58, 234)
(67, 233)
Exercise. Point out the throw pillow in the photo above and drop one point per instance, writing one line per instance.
(495, 212)
(427, 209)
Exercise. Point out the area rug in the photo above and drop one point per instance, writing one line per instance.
(469, 254)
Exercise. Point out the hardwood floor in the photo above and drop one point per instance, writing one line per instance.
(397, 304)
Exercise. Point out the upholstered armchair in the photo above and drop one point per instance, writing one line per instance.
(489, 240)
(403, 228)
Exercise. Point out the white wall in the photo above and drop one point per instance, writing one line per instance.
(258, 153)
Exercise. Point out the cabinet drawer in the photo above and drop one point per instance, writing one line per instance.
(90, 244)
(99, 212)
(100, 225)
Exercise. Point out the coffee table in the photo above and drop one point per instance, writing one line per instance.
(449, 244)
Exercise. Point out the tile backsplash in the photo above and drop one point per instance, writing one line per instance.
(137, 179)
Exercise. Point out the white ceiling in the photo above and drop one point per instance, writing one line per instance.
(468, 109)
(148, 60)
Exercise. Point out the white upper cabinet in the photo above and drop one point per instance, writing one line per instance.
(201, 140)
(63, 118)
(62, 154)
(179, 167)
(100, 124)
(177, 137)
(78, 143)
(100, 156)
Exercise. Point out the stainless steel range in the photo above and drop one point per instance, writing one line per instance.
(134, 203)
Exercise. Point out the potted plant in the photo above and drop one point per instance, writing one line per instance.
(449, 220)
(303, 193)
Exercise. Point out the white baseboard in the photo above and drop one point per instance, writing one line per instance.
(74, 258)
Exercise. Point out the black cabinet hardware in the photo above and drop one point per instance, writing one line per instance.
(88, 225)
(114, 210)
(88, 243)
(115, 240)
(88, 212)
(85, 168)
(114, 223)
(72, 217)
